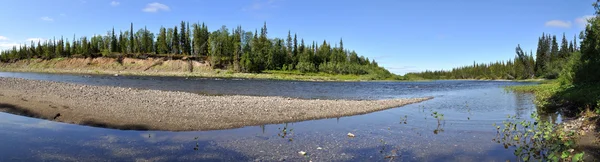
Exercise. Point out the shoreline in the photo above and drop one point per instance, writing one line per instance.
(265, 76)
(134, 109)
(159, 67)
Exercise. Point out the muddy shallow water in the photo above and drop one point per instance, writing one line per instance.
(408, 133)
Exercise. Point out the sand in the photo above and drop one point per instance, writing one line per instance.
(135, 109)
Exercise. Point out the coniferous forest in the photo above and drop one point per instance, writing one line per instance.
(234, 49)
(550, 58)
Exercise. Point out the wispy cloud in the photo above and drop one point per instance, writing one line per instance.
(558, 24)
(63, 14)
(261, 5)
(8, 45)
(46, 18)
(5, 44)
(35, 39)
(582, 21)
(156, 7)
(115, 3)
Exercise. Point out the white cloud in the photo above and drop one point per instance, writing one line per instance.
(35, 40)
(156, 7)
(4, 44)
(46, 18)
(558, 24)
(115, 3)
(8, 45)
(582, 21)
(261, 4)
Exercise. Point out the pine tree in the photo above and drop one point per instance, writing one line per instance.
(289, 49)
(131, 40)
(571, 48)
(113, 41)
(564, 48)
(188, 39)
(161, 41)
(540, 56)
(295, 51)
(183, 39)
(176, 41)
(554, 50)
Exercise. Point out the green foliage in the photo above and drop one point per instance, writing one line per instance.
(537, 140)
(549, 63)
(234, 49)
(306, 67)
(543, 94)
(587, 73)
(569, 69)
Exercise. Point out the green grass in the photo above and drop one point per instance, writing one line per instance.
(550, 95)
(216, 73)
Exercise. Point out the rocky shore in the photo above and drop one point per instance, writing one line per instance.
(126, 108)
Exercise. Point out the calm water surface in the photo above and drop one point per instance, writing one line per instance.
(408, 133)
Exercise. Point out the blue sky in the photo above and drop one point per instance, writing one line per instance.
(403, 36)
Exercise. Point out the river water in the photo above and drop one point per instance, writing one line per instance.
(408, 133)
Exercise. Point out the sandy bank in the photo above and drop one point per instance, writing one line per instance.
(125, 108)
(157, 67)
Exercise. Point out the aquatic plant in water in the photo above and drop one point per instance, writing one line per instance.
(440, 118)
(537, 140)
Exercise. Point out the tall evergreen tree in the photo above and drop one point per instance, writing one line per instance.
(176, 42)
(131, 40)
(161, 41)
(554, 49)
(113, 41)
(564, 48)
(295, 51)
(183, 36)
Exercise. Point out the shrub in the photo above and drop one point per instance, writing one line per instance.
(306, 67)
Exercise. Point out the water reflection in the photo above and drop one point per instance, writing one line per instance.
(461, 132)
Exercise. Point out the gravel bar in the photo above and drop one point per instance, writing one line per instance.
(136, 109)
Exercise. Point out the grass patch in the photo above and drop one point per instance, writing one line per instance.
(551, 96)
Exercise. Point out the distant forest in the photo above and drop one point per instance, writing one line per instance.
(233, 49)
(548, 63)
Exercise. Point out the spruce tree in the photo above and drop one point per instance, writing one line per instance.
(554, 50)
(183, 39)
(540, 56)
(564, 48)
(176, 41)
(161, 41)
(131, 40)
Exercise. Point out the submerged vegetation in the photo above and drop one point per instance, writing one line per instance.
(233, 49)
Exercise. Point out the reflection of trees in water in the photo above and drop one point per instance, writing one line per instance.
(521, 104)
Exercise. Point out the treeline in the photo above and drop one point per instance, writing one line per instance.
(234, 49)
(549, 61)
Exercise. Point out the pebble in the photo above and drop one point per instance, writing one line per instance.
(127, 106)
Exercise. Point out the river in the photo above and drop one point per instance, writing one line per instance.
(408, 133)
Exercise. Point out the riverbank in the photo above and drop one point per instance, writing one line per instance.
(579, 105)
(125, 108)
(160, 67)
